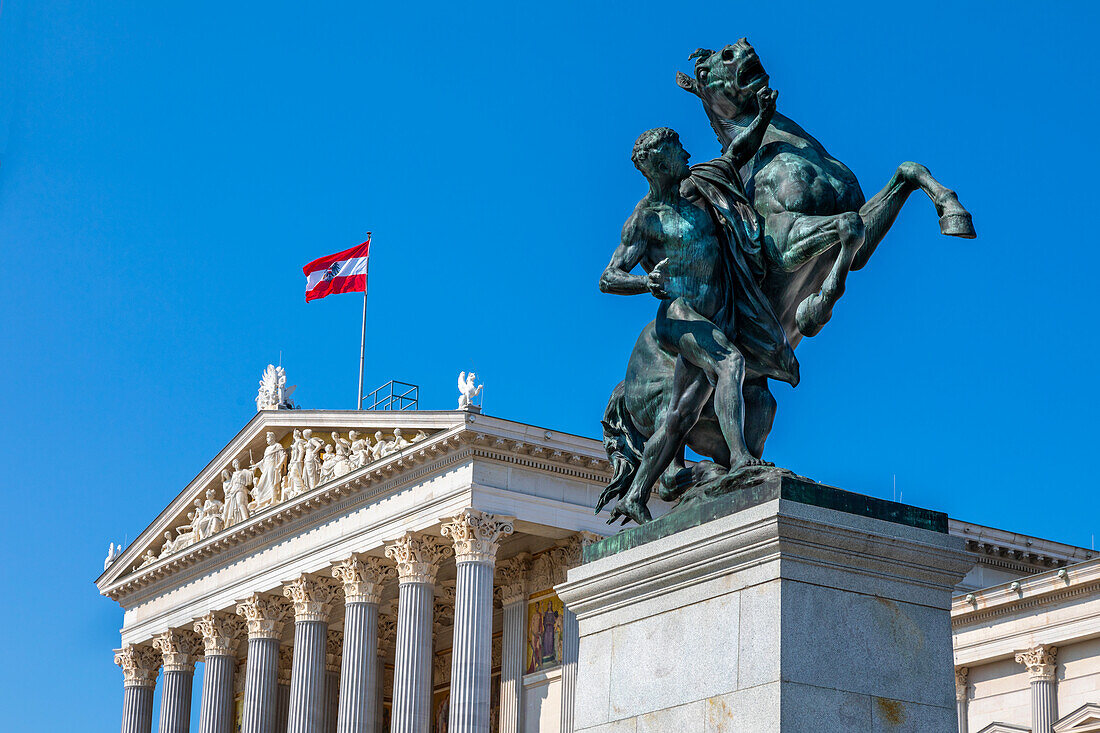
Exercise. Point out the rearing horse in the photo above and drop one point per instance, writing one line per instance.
(817, 228)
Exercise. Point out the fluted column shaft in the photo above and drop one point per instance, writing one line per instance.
(307, 678)
(471, 659)
(512, 652)
(359, 674)
(282, 708)
(1041, 669)
(476, 536)
(332, 690)
(216, 710)
(137, 709)
(175, 700)
(312, 598)
(417, 558)
(412, 676)
(362, 577)
(570, 644)
(260, 686)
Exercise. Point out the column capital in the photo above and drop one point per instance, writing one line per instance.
(221, 632)
(178, 649)
(265, 615)
(512, 578)
(960, 683)
(418, 557)
(476, 535)
(139, 664)
(1039, 661)
(363, 577)
(286, 662)
(312, 597)
(334, 650)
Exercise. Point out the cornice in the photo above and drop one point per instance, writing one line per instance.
(385, 475)
(1040, 590)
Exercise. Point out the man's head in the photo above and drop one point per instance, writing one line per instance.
(659, 155)
(727, 81)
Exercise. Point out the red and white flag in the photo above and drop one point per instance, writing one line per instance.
(343, 272)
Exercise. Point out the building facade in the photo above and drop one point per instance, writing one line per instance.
(395, 570)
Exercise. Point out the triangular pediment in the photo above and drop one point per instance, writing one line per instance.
(1084, 719)
(253, 485)
(1005, 728)
(250, 476)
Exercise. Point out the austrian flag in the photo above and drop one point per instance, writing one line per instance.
(343, 272)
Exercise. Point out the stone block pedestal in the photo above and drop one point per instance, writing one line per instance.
(790, 606)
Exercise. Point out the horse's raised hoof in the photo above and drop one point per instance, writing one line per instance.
(958, 224)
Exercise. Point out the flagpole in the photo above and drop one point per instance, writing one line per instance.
(363, 340)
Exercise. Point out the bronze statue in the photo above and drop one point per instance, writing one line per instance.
(747, 257)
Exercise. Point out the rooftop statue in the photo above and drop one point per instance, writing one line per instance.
(747, 254)
(467, 391)
(273, 393)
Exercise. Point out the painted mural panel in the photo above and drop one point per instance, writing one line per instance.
(544, 633)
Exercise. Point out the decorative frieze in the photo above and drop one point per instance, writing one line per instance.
(387, 634)
(264, 614)
(418, 557)
(334, 650)
(139, 665)
(221, 633)
(1040, 662)
(178, 649)
(286, 662)
(312, 597)
(477, 535)
(512, 578)
(363, 577)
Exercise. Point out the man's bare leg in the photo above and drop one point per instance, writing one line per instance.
(690, 391)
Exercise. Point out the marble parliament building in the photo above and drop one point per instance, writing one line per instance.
(372, 570)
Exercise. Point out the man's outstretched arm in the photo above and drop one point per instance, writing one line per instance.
(617, 278)
(745, 145)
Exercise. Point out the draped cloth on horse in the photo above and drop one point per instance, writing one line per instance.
(746, 317)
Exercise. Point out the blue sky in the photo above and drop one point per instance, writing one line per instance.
(167, 168)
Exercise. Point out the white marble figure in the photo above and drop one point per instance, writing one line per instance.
(328, 465)
(236, 496)
(467, 391)
(148, 558)
(269, 486)
(380, 447)
(273, 393)
(360, 449)
(168, 548)
(295, 482)
(420, 435)
(398, 441)
(185, 535)
(311, 461)
(210, 516)
(112, 553)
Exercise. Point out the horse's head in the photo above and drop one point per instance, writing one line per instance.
(727, 81)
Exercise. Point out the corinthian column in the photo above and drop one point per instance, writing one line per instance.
(265, 616)
(418, 558)
(961, 698)
(512, 579)
(139, 669)
(282, 700)
(476, 538)
(178, 649)
(1041, 668)
(362, 578)
(221, 634)
(312, 599)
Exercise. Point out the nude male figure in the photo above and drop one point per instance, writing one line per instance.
(677, 243)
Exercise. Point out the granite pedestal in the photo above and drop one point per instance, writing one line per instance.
(790, 606)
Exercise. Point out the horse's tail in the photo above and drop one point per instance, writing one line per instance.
(623, 444)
